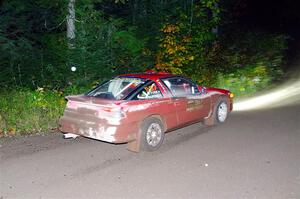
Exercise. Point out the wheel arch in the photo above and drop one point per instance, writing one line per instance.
(158, 116)
(210, 119)
(215, 99)
(135, 144)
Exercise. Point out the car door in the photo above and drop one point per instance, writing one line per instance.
(191, 105)
(199, 104)
(176, 87)
(148, 101)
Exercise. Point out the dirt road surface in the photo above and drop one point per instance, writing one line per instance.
(255, 154)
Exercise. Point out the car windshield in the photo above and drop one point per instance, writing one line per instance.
(117, 88)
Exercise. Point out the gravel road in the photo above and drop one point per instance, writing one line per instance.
(255, 154)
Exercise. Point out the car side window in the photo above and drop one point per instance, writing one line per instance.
(181, 87)
(150, 91)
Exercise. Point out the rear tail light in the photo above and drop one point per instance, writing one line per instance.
(115, 112)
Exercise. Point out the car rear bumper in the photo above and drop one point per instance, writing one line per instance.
(96, 130)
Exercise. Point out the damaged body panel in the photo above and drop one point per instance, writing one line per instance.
(119, 111)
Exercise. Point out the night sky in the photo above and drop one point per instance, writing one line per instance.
(271, 15)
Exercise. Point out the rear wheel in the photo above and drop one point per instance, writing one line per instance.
(152, 134)
(219, 114)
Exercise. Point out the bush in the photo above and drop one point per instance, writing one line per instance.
(26, 111)
(250, 62)
(245, 81)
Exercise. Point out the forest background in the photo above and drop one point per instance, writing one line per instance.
(205, 40)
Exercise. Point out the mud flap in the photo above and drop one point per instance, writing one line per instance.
(210, 121)
(135, 144)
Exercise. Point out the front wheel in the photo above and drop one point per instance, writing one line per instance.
(152, 134)
(219, 114)
(222, 112)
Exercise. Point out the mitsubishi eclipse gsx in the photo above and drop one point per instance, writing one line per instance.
(138, 109)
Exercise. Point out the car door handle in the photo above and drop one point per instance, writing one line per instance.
(178, 100)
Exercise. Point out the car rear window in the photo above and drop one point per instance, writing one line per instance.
(117, 88)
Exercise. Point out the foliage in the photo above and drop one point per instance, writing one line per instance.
(104, 48)
(174, 54)
(250, 62)
(22, 25)
(116, 37)
(245, 81)
(38, 55)
(25, 111)
(184, 45)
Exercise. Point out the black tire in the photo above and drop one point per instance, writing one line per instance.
(219, 114)
(152, 134)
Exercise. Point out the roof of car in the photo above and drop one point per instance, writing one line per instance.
(149, 75)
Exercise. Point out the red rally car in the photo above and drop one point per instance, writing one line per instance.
(139, 109)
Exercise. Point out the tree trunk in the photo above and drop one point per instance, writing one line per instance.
(71, 20)
(215, 30)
